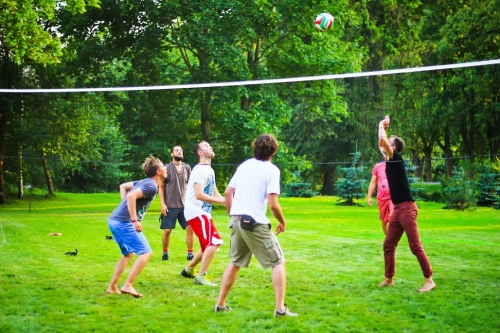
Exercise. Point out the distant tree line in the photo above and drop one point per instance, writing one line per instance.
(91, 142)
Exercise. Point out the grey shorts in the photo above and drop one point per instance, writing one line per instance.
(173, 215)
(261, 242)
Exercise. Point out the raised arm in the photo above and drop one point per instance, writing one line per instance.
(383, 142)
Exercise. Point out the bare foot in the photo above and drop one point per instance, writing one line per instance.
(113, 290)
(428, 286)
(131, 291)
(386, 283)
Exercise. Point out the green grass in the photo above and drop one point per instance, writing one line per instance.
(334, 263)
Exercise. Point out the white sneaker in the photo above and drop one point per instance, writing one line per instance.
(202, 279)
(285, 313)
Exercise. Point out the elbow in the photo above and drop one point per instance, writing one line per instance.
(229, 192)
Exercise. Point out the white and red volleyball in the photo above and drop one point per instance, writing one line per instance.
(324, 21)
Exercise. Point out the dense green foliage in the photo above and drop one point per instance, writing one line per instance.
(299, 190)
(334, 263)
(460, 190)
(91, 142)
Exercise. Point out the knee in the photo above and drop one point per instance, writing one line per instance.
(388, 246)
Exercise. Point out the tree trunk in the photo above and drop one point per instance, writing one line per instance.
(448, 154)
(48, 177)
(20, 183)
(417, 162)
(428, 163)
(205, 114)
(328, 181)
(253, 59)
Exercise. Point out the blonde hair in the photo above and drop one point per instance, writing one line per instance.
(151, 165)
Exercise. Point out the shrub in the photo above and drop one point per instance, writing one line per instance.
(460, 191)
(300, 190)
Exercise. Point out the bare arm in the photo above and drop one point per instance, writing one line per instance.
(371, 189)
(124, 188)
(228, 195)
(161, 193)
(131, 202)
(383, 142)
(275, 207)
(200, 195)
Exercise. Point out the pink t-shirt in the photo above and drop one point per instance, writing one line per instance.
(382, 184)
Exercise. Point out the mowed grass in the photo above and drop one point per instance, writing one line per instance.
(334, 263)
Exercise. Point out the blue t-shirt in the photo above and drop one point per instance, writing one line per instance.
(149, 190)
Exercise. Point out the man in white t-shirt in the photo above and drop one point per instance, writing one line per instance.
(201, 193)
(255, 184)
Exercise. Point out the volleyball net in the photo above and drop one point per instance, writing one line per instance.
(447, 114)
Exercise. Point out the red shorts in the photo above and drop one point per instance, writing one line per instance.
(204, 228)
(385, 207)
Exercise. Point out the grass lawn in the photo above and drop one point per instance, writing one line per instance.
(334, 263)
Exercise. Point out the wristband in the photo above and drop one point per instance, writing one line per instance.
(134, 221)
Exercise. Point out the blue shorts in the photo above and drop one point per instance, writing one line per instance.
(173, 215)
(127, 238)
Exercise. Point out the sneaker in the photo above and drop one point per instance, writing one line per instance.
(190, 256)
(222, 309)
(202, 279)
(165, 256)
(188, 273)
(285, 313)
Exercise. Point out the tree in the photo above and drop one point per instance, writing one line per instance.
(352, 187)
(33, 41)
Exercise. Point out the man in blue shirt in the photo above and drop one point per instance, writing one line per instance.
(125, 224)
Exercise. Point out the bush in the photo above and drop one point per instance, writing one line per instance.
(430, 191)
(299, 190)
(460, 191)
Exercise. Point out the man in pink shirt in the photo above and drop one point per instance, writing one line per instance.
(385, 206)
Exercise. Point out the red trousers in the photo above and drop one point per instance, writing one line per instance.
(404, 220)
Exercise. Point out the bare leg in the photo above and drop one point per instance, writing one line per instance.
(228, 279)
(165, 238)
(140, 262)
(279, 286)
(120, 267)
(189, 238)
(385, 226)
(207, 258)
(196, 260)
(428, 285)
(388, 282)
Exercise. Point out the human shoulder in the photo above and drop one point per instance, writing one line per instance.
(396, 156)
(148, 186)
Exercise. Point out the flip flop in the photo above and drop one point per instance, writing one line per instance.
(136, 295)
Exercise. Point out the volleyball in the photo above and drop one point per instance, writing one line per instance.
(324, 21)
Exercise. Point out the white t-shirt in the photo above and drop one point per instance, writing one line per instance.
(252, 182)
(205, 175)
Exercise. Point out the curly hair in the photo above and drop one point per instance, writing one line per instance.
(151, 165)
(265, 147)
(398, 143)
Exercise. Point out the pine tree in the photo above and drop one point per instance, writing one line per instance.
(351, 187)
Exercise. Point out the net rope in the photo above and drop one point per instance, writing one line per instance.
(256, 82)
